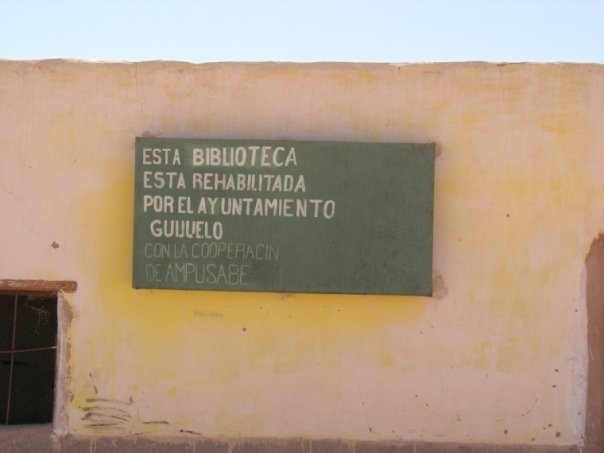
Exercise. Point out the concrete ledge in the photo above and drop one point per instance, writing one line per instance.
(42, 440)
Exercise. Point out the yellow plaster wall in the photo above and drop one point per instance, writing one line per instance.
(498, 355)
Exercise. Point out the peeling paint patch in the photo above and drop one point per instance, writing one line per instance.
(594, 264)
(439, 288)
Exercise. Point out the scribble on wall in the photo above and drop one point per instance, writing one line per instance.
(106, 414)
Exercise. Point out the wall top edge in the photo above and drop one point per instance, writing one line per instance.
(69, 61)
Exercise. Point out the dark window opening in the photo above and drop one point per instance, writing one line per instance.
(28, 349)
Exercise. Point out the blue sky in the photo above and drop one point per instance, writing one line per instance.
(298, 30)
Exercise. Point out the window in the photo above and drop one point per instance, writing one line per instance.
(28, 349)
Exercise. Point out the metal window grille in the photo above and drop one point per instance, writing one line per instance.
(28, 347)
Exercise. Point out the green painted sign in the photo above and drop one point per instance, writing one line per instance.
(286, 216)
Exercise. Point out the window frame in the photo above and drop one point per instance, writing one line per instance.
(58, 425)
